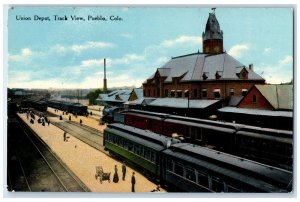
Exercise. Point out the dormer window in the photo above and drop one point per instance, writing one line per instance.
(218, 75)
(204, 76)
(243, 74)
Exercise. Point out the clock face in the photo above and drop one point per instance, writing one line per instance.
(217, 48)
(206, 49)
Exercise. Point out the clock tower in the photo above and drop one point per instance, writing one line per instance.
(213, 36)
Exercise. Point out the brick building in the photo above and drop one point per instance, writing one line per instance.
(268, 106)
(212, 74)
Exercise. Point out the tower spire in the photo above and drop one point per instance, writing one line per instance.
(213, 35)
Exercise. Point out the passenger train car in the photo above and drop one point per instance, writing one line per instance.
(271, 146)
(192, 168)
(36, 104)
(74, 108)
(137, 146)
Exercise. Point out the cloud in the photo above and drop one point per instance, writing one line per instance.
(238, 50)
(127, 35)
(25, 54)
(281, 72)
(267, 50)
(91, 45)
(287, 60)
(182, 40)
(78, 48)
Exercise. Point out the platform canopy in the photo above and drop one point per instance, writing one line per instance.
(182, 103)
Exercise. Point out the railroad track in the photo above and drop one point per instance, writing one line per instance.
(32, 165)
(89, 135)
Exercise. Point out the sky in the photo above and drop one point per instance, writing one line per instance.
(70, 53)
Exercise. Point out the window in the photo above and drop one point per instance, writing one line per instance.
(204, 93)
(178, 169)
(186, 93)
(254, 99)
(231, 92)
(169, 165)
(217, 93)
(179, 93)
(172, 93)
(190, 174)
(202, 179)
(244, 92)
(166, 93)
(195, 93)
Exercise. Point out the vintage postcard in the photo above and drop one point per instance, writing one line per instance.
(144, 99)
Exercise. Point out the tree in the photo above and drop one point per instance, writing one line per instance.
(93, 95)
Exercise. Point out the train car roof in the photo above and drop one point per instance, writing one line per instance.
(149, 113)
(213, 126)
(233, 166)
(144, 137)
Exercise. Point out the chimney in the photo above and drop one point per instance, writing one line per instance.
(104, 80)
(251, 67)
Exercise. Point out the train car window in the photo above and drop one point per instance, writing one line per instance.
(137, 150)
(190, 174)
(152, 156)
(202, 179)
(147, 153)
(217, 184)
(125, 144)
(178, 168)
(130, 146)
(170, 165)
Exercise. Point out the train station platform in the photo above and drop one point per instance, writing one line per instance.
(89, 120)
(82, 159)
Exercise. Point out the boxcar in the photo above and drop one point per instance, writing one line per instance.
(140, 147)
(194, 168)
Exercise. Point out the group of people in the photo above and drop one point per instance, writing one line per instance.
(116, 176)
(42, 118)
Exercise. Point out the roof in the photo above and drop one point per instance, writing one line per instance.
(115, 96)
(258, 112)
(192, 67)
(279, 96)
(235, 100)
(139, 92)
(182, 103)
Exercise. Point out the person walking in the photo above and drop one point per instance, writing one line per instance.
(69, 117)
(116, 176)
(65, 136)
(132, 183)
(123, 170)
(80, 122)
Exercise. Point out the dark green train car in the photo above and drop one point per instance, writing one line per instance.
(140, 147)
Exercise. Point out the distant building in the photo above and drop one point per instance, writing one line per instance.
(120, 97)
(212, 74)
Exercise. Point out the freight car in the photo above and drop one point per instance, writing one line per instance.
(36, 104)
(265, 145)
(74, 108)
(191, 168)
